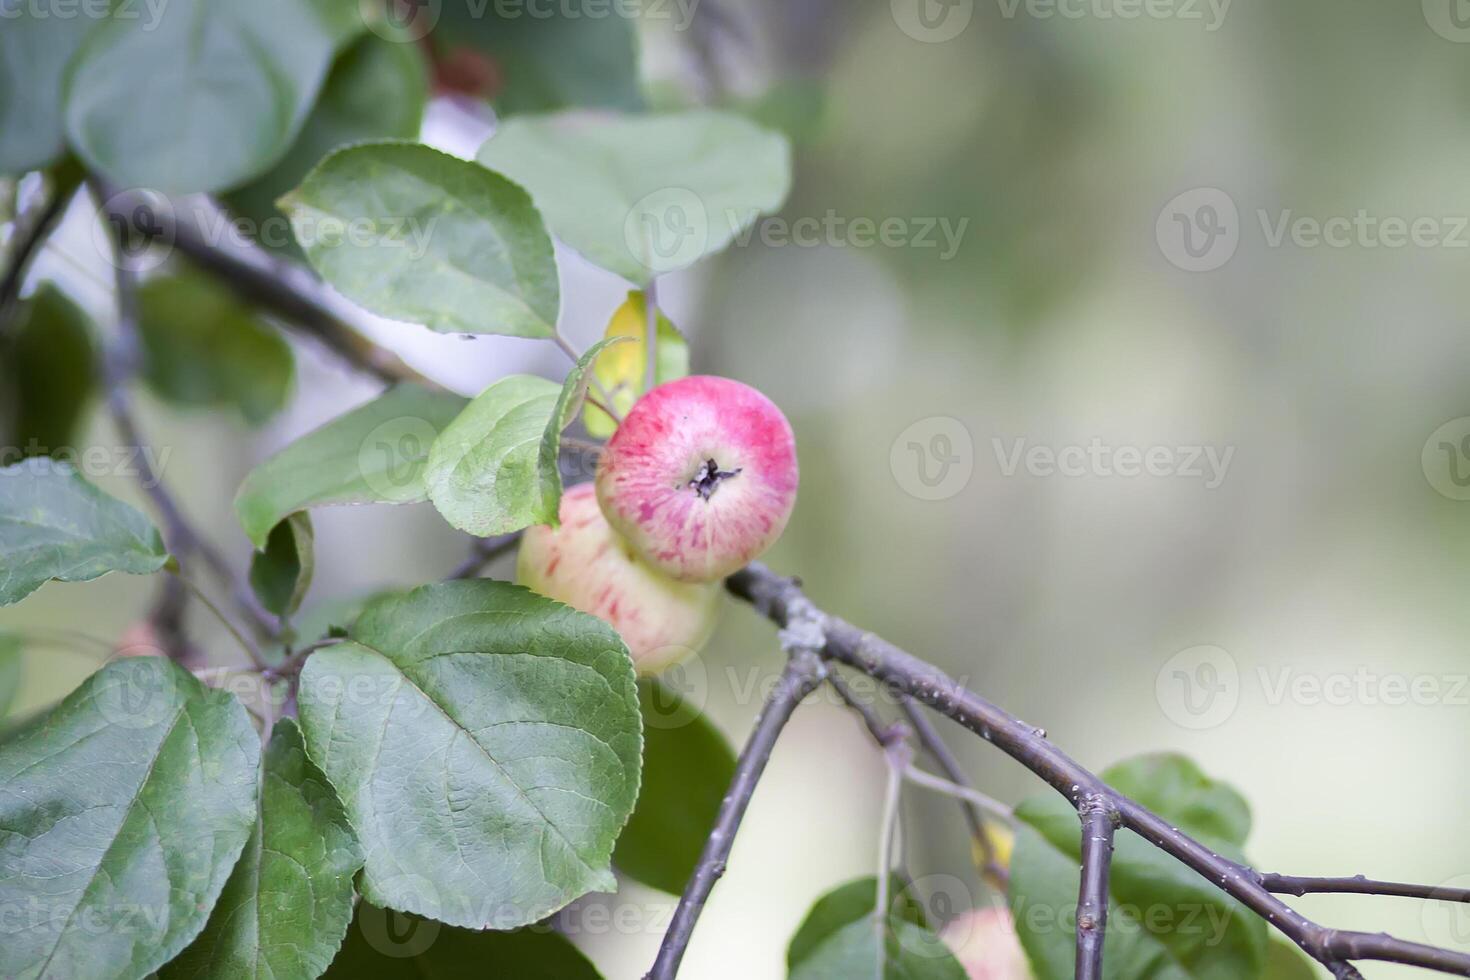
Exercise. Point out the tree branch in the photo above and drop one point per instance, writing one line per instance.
(482, 552)
(275, 284)
(804, 671)
(1358, 885)
(27, 247)
(934, 744)
(782, 601)
(1098, 823)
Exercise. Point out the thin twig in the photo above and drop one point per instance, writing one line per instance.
(27, 246)
(959, 791)
(275, 284)
(482, 552)
(933, 743)
(1098, 823)
(650, 333)
(803, 673)
(884, 733)
(1358, 885)
(230, 627)
(782, 601)
(898, 757)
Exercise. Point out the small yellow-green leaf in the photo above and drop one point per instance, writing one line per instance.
(623, 370)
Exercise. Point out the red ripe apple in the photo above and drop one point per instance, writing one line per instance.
(700, 477)
(585, 564)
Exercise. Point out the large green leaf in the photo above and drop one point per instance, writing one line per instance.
(485, 471)
(281, 573)
(495, 468)
(838, 940)
(623, 371)
(543, 63)
(642, 195)
(419, 235)
(202, 347)
(288, 903)
(48, 373)
(686, 772)
(376, 90)
(1165, 921)
(35, 46)
(56, 525)
(486, 743)
(199, 95)
(122, 812)
(1284, 961)
(372, 454)
(383, 944)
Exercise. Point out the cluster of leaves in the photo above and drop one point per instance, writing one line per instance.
(468, 753)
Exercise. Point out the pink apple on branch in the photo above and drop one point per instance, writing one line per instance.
(700, 477)
(585, 564)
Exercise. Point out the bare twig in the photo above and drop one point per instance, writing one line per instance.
(782, 601)
(1358, 885)
(884, 733)
(1098, 822)
(277, 285)
(958, 791)
(482, 552)
(804, 671)
(898, 757)
(934, 744)
(27, 246)
(650, 333)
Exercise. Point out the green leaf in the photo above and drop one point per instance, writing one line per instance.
(643, 195)
(383, 944)
(838, 940)
(281, 573)
(543, 63)
(201, 347)
(48, 373)
(288, 903)
(486, 743)
(199, 95)
(486, 473)
(376, 90)
(1165, 921)
(418, 235)
(686, 771)
(12, 666)
(122, 812)
(35, 47)
(623, 372)
(1284, 961)
(56, 525)
(372, 454)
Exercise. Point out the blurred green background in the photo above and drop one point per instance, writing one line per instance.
(1077, 154)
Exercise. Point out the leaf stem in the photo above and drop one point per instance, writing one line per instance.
(650, 333)
(208, 603)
